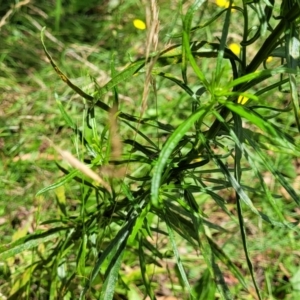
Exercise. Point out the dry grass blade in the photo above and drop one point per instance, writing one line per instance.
(102, 76)
(10, 12)
(116, 143)
(116, 147)
(151, 45)
(77, 164)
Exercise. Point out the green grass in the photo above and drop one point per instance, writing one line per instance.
(200, 194)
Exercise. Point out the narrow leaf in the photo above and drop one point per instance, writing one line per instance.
(168, 148)
(59, 183)
(29, 242)
(178, 259)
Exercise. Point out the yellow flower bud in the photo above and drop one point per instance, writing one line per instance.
(242, 100)
(269, 59)
(139, 24)
(235, 48)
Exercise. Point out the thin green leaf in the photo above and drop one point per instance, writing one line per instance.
(176, 80)
(238, 129)
(240, 148)
(277, 135)
(266, 192)
(61, 74)
(139, 222)
(81, 257)
(180, 224)
(119, 78)
(128, 72)
(187, 23)
(220, 281)
(144, 136)
(205, 246)
(61, 182)
(111, 277)
(276, 174)
(144, 274)
(66, 117)
(259, 74)
(153, 249)
(193, 29)
(29, 242)
(168, 148)
(240, 191)
(178, 259)
(262, 18)
(227, 261)
(205, 287)
(244, 240)
(225, 29)
(112, 255)
(190, 57)
(292, 57)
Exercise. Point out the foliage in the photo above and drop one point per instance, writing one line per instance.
(143, 176)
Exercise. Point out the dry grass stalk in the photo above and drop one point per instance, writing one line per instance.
(116, 147)
(4, 19)
(77, 164)
(102, 76)
(115, 140)
(152, 21)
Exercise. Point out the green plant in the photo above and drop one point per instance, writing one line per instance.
(154, 180)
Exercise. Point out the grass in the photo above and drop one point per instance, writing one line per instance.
(187, 193)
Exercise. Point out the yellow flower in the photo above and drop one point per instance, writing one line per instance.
(235, 48)
(139, 24)
(222, 3)
(269, 59)
(242, 100)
